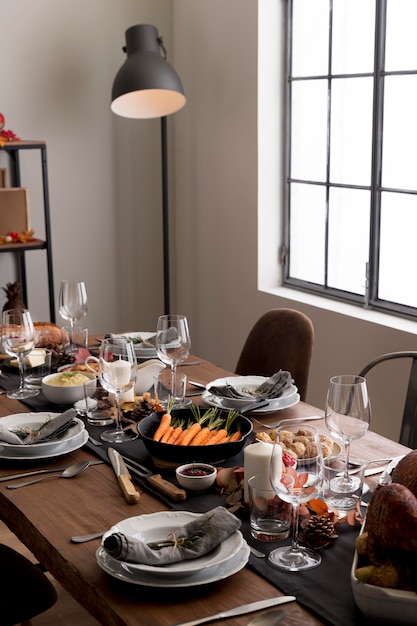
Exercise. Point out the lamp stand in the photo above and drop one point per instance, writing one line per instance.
(165, 216)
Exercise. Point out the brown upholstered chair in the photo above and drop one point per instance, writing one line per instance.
(408, 434)
(25, 591)
(280, 339)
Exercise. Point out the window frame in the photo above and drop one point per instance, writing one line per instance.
(370, 300)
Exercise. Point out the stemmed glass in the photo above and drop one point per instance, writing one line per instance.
(347, 417)
(296, 487)
(173, 340)
(18, 338)
(72, 303)
(117, 371)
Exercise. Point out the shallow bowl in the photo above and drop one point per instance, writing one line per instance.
(172, 454)
(64, 394)
(196, 476)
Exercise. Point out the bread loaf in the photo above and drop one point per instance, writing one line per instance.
(46, 334)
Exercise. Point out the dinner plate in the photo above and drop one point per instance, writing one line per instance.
(33, 421)
(59, 450)
(289, 398)
(140, 351)
(157, 526)
(196, 578)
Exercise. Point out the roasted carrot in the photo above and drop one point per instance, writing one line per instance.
(167, 434)
(164, 424)
(236, 436)
(190, 434)
(216, 436)
(201, 437)
(178, 429)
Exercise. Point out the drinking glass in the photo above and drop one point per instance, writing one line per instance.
(18, 338)
(72, 303)
(117, 371)
(172, 340)
(297, 487)
(347, 417)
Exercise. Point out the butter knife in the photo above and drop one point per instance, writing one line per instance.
(240, 610)
(123, 476)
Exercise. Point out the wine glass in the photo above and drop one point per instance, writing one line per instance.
(297, 486)
(18, 338)
(72, 303)
(347, 417)
(117, 371)
(172, 340)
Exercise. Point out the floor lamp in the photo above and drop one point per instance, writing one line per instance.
(147, 86)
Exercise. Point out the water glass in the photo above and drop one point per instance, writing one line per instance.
(336, 496)
(96, 406)
(37, 364)
(169, 385)
(270, 517)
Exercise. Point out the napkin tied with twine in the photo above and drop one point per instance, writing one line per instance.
(55, 428)
(191, 541)
(271, 388)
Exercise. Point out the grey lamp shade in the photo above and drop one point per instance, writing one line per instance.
(146, 85)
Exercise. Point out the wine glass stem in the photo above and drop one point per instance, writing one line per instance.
(295, 518)
(174, 371)
(117, 402)
(21, 372)
(347, 453)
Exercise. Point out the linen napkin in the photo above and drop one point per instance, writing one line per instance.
(191, 541)
(54, 428)
(273, 387)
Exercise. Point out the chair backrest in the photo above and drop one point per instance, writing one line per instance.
(280, 339)
(408, 434)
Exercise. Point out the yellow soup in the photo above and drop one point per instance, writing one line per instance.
(68, 379)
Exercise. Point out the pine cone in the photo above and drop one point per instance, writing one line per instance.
(142, 407)
(319, 532)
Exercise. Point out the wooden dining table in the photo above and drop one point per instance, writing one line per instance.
(46, 515)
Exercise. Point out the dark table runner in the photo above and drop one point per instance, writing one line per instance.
(325, 590)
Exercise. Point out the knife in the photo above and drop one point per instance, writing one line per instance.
(41, 471)
(156, 480)
(240, 610)
(125, 481)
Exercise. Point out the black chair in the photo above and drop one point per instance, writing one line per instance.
(280, 339)
(25, 591)
(408, 434)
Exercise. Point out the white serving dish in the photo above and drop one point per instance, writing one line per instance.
(142, 352)
(61, 394)
(392, 606)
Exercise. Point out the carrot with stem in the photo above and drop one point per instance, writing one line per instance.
(165, 422)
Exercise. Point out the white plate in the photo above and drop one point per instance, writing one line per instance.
(140, 351)
(203, 577)
(289, 398)
(33, 421)
(157, 526)
(60, 449)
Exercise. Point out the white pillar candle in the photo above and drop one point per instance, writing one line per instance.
(257, 460)
(120, 373)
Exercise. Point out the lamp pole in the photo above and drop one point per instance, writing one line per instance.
(165, 215)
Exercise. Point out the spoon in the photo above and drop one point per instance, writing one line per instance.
(82, 538)
(268, 619)
(70, 472)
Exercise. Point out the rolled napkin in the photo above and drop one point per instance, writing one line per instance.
(191, 541)
(271, 388)
(52, 429)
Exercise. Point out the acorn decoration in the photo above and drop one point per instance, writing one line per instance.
(318, 532)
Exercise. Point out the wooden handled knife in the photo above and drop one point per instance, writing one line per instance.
(123, 476)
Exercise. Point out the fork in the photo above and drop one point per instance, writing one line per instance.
(294, 419)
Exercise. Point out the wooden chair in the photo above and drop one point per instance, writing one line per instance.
(280, 339)
(408, 434)
(25, 591)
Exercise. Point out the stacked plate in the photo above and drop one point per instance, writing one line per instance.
(248, 384)
(143, 343)
(74, 438)
(226, 559)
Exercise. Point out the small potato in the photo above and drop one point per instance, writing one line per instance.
(361, 544)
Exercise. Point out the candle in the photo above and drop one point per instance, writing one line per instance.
(257, 460)
(119, 373)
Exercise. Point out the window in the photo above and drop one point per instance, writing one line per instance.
(351, 153)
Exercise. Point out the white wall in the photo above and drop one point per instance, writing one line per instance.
(59, 60)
